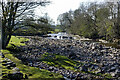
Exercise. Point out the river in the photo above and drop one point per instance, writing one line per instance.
(103, 42)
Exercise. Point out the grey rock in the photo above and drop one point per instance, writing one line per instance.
(51, 68)
(16, 69)
(15, 75)
(4, 61)
(84, 68)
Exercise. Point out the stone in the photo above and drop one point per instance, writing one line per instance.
(13, 65)
(69, 46)
(72, 76)
(89, 53)
(8, 67)
(112, 69)
(112, 74)
(78, 77)
(16, 69)
(98, 60)
(80, 68)
(84, 68)
(100, 47)
(4, 77)
(98, 71)
(72, 55)
(16, 75)
(5, 64)
(4, 61)
(94, 66)
(3, 56)
(26, 77)
(3, 73)
(51, 68)
(117, 73)
(10, 62)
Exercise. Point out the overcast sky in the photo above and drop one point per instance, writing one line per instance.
(61, 6)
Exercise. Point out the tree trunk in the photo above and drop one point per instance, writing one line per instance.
(0, 33)
(8, 39)
(118, 20)
(4, 38)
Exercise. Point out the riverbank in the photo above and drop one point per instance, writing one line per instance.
(73, 59)
(101, 41)
(13, 68)
(95, 60)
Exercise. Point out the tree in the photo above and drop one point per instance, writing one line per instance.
(12, 14)
(40, 25)
(65, 20)
(117, 23)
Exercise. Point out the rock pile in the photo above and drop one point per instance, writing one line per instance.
(97, 58)
(15, 73)
(8, 63)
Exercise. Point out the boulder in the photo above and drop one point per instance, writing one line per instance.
(72, 55)
(4, 61)
(3, 56)
(84, 68)
(100, 47)
(26, 77)
(117, 73)
(51, 68)
(112, 74)
(16, 69)
(5, 64)
(13, 65)
(8, 67)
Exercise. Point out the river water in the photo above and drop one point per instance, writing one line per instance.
(56, 36)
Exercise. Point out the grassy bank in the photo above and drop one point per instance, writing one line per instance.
(16, 41)
(32, 72)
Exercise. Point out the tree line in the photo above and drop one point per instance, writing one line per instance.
(93, 20)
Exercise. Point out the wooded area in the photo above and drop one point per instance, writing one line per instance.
(93, 20)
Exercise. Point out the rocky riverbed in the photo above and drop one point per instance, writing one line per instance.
(97, 60)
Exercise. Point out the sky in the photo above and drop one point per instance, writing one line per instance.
(58, 7)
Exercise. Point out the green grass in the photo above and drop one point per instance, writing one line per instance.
(59, 61)
(63, 61)
(16, 41)
(57, 30)
(36, 72)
